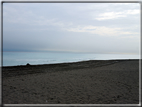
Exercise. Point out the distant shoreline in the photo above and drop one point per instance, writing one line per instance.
(70, 62)
(22, 58)
(9, 71)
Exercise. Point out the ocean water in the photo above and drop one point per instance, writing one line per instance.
(33, 58)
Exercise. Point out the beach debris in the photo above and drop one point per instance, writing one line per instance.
(28, 64)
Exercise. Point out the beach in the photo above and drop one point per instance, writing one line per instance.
(85, 82)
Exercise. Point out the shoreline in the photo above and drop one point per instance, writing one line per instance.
(70, 62)
(10, 71)
(86, 82)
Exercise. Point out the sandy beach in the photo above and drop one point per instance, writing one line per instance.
(86, 82)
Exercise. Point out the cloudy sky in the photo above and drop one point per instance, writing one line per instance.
(72, 27)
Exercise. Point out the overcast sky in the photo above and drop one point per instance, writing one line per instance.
(72, 27)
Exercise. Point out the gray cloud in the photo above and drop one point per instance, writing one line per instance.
(76, 27)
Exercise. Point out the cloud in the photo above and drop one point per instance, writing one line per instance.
(135, 11)
(110, 15)
(76, 27)
(114, 15)
(101, 30)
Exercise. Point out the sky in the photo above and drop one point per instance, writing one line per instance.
(72, 27)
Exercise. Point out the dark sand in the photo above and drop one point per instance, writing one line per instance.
(88, 82)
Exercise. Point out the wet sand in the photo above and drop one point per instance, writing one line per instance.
(86, 82)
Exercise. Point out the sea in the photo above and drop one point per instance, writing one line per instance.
(37, 58)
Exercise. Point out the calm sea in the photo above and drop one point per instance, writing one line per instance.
(33, 58)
